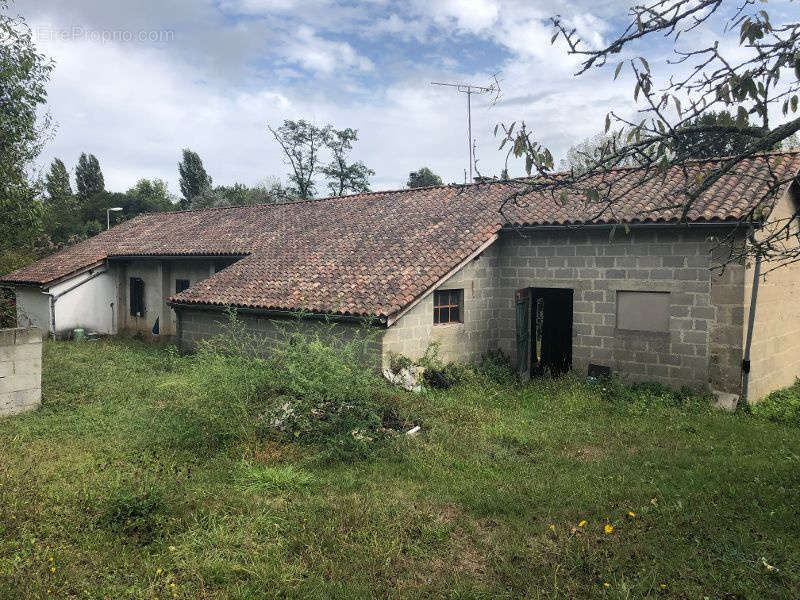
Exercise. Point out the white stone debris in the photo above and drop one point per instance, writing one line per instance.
(409, 378)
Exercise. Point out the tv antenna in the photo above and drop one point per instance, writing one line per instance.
(469, 89)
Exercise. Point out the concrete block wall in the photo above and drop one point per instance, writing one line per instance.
(193, 326)
(727, 334)
(20, 370)
(775, 351)
(596, 267)
(412, 333)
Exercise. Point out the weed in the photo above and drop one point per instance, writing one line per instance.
(281, 478)
(782, 406)
(135, 511)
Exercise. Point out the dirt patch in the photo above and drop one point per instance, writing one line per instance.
(271, 452)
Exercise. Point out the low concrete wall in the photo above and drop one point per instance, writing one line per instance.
(193, 326)
(20, 370)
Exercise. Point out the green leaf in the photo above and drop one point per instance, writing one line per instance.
(608, 122)
(618, 69)
(741, 117)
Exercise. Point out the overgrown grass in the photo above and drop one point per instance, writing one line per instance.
(124, 486)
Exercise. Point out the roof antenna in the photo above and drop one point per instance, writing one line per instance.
(469, 89)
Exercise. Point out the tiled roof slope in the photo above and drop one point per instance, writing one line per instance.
(373, 254)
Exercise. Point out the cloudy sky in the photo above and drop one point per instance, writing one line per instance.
(135, 82)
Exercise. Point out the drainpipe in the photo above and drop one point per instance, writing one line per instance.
(750, 325)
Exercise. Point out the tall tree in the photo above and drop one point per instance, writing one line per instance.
(59, 188)
(193, 177)
(62, 219)
(302, 144)
(754, 76)
(422, 178)
(89, 177)
(343, 177)
(148, 195)
(24, 73)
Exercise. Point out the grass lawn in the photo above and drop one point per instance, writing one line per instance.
(508, 492)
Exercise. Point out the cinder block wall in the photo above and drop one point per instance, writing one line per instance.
(196, 325)
(727, 341)
(20, 370)
(775, 351)
(596, 268)
(460, 342)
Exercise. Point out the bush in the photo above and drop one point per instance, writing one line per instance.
(495, 367)
(327, 396)
(781, 406)
(313, 388)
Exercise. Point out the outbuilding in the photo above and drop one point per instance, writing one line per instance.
(665, 298)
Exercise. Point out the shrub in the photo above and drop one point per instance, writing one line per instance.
(311, 387)
(781, 406)
(495, 367)
(399, 362)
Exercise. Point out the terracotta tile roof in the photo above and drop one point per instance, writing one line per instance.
(374, 253)
(729, 199)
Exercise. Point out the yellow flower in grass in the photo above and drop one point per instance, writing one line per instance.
(52, 569)
(631, 514)
(582, 523)
(606, 585)
(552, 527)
(159, 571)
(609, 529)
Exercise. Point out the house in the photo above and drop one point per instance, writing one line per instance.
(543, 281)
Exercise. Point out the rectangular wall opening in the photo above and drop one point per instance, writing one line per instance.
(544, 331)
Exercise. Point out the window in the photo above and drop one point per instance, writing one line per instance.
(137, 297)
(447, 306)
(643, 311)
(180, 285)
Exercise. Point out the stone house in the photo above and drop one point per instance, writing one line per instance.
(542, 280)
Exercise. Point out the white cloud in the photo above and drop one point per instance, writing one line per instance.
(218, 85)
(321, 55)
(467, 15)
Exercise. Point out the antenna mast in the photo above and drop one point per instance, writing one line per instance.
(469, 89)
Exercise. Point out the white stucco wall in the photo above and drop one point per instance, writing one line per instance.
(91, 305)
(86, 300)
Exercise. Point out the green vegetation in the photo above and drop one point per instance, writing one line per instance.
(782, 406)
(145, 474)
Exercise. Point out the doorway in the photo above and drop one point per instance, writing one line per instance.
(544, 331)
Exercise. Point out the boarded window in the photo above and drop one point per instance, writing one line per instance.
(180, 285)
(137, 297)
(447, 306)
(643, 311)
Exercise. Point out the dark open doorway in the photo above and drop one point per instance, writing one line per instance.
(544, 331)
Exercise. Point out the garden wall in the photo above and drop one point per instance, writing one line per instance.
(20, 370)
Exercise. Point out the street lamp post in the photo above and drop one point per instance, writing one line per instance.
(108, 215)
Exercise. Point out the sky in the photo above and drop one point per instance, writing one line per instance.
(136, 82)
